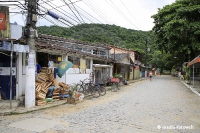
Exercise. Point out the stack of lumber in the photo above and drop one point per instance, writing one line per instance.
(44, 80)
(64, 89)
(56, 96)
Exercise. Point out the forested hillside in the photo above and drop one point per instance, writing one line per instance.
(101, 33)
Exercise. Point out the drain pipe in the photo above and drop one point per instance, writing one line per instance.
(11, 58)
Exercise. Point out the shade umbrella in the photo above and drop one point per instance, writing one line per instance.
(63, 67)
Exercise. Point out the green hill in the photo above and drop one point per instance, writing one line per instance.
(101, 33)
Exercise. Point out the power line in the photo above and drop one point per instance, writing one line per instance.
(115, 7)
(49, 20)
(88, 14)
(77, 11)
(59, 7)
(60, 12)
(131, 14)
(71, 10)
(58, 19)
(93, 5)
(96, 12)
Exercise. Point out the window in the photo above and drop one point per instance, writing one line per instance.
(55, 58)
(74, 60)
(86, 50)
(102, 53)
(77, 48)
(95, 52)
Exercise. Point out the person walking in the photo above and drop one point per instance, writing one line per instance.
(38, 67)
(150, 75)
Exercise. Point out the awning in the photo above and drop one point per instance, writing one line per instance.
(195, 61)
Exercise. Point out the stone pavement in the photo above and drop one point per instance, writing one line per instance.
(5, 105)
(163, 105)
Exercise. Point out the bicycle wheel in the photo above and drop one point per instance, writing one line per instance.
(102, 90)
(118, 86)
(114, 87)
(94, 90)
(79, 88)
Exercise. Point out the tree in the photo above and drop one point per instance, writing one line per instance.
(101, 33)
(177, 28)
(162, 60)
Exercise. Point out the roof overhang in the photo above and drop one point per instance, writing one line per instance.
(102, 65)
(195, 62)
(123, 63)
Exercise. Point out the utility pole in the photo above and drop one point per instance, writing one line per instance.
(30, 34)
(146, 58)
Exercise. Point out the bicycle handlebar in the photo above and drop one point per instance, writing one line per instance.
(82, 81)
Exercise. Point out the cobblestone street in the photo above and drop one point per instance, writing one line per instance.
(141, 107)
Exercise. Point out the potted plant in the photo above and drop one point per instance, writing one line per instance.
(187, 74)
(72, 98)
(117, 75)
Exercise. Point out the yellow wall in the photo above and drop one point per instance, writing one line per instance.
(82, 65)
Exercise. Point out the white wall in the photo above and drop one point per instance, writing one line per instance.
(19, 79)
(75, 78)
(15, 31)
(62, 79)
(23, 84)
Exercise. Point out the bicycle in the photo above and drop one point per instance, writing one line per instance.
(88, 88)
(102, 87)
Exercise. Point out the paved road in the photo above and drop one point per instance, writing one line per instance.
(161, 105)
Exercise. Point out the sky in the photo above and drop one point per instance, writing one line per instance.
(130, 14)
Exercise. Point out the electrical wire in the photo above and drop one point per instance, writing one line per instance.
(45, 16)
(61, 17)
(45, 2)
(88, 14)
(93, 5)
(71, 10)
(15, 4)
(115, 7)
(77, 11)
(84, 16)
(53, 21)
(131, 14)
(59, 12)
(95, 12)
(59, 7)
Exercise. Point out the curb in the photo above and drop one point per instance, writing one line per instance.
(14, 112)
(198, 94)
